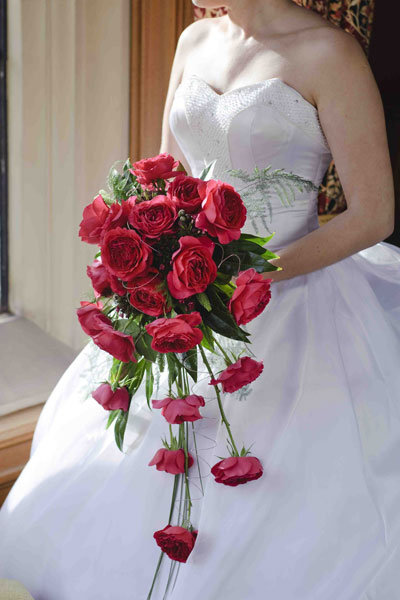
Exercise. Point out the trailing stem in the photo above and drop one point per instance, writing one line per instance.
(225, 420)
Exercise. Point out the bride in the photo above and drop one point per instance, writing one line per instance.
(270, 83)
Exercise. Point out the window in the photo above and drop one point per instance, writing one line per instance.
(3, 161)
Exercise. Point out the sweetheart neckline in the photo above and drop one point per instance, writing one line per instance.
(249, 85)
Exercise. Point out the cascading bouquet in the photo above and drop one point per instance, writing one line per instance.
(165, 297)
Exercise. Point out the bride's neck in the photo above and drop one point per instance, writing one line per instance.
(248, 21)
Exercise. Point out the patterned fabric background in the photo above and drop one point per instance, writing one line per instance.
(356, 17)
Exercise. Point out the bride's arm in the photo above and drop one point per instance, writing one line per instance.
(186, 41)
(352, 117)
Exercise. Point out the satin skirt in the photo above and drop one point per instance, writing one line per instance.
(322, 523)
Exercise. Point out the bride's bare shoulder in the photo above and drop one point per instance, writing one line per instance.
(333, 55)
(198, 31)
(323, 53)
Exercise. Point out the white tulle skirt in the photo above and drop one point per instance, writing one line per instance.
(322, 523)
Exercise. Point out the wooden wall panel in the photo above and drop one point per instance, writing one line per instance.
(16, 431)
(155, 29)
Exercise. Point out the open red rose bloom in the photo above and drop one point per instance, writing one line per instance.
(164, 298)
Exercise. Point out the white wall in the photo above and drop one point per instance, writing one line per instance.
(68, 87)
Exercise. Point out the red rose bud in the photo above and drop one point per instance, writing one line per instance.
(177, 542)
(183, 190)
(147, 294)
(104, 284)
(153, 218)
(118, 344)
(178, 410)
(100, 329)
(124, 254)
(118, 214)
(98, 218)
(223, 213)
(241, 373)
(171, 461)
(161, 166)
(94, 216)
(179, 334)
(91, 318)
(251, 296)
(110, 400)
(193, 268)
(237, 469)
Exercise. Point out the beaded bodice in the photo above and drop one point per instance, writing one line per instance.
(261, 124)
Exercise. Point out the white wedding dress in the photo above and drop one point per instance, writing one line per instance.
(323, 522)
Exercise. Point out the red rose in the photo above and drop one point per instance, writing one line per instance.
(175, 335)
(223, 213)
(193, 268)
(251, 296)
(161, 166)
(237, 469)
(118, 344)
(147, 294)
(176, 542)
(171, 461)
(241, 373)
(98, 217)
(118, 214)
(94, 216)
(104, 284)
(183, 190)
(91, 318)
(153, 218)
(124, 254)
(178, 410)
(110, 400)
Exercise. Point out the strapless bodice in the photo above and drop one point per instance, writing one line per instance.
(261, 124)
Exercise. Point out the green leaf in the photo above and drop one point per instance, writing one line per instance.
(189, 360)
(208, 341)
(248, 260)
(222, 278)
(220, 319)
(173, 367)
(112, 416)
(207, 169)
(220, 325)
(137, 377)
(128, 326)
(228, 290)
(149, 382)
(127, 165)
(108, 199)
(114, 369)
(239, 247)
(256, 239)
(143, 346)
(130, 370)
(119, 428)
(161, 361)
(258, 263)
(204, 301)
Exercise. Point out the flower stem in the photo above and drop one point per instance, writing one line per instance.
(118, 374)
(155, 575)
(187, 490)
(171, 435)
(225, 420)
(197, 458)
(225, 355)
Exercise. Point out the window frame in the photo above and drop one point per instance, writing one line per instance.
(3, 161)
